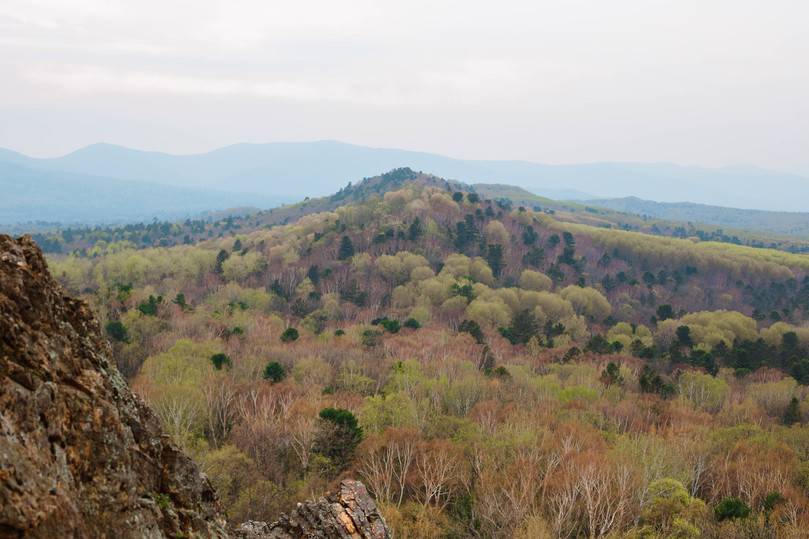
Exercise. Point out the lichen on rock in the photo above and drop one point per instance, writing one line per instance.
(80, 455)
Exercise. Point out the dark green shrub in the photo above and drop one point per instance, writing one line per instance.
(391, 326)
(149, 307)
(652, 382)
(572, 352)
(599, 345)
(220, 360)
(290, 335)
(473, 328)
(179, 300)
(370, 337)
(731, 508)
(612, 375)
(275, 372)
(664, 312)
(771, 500)
(412, 323)
(117, 331)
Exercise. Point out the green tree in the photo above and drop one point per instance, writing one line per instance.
(289, 335)
(391, 326)
(149, 307)
(412, 323)
(730, 509)
(494, 256)
(416, 230)
(534, 257)
(611, 375)
(599, 345)
(523, 327)
(117, 331)
(220, 360)
(179, 300)
(684, 336)
(338, 436)
(346, 249)
(671, 510)
(314, 274)
(664, 312)
(466, 233)
(652, 382)
(370, 337)
(529, 236)
(570, 240)
(792, 415)
(473, 328)
(221, 256)
(275, 372)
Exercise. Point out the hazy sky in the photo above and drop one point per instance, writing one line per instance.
(691, 81)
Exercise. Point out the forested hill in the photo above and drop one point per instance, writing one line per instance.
(55, 239)
(476, 256)
(487, 369)
(787, 231)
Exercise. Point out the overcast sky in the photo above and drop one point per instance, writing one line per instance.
(691, 81)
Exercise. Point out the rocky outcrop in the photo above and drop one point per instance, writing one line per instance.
(350, 513)
(80, 455)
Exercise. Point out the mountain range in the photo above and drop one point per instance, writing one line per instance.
(774, 222)
(104, 182)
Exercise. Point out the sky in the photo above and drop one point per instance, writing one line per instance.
(704, 82)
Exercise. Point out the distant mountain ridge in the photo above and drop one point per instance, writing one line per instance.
(298, 169)
(32, 194)
(787, 223)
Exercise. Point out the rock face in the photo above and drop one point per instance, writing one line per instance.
(80, 455)
(349, 513)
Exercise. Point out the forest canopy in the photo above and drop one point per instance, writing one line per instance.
(486, 369)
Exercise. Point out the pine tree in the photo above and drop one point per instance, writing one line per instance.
(346, 250)
(274, 371)
(220, 259)
(416, 230)
(792, 415)
(523, 327)
(612, 375)
(494, 257)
